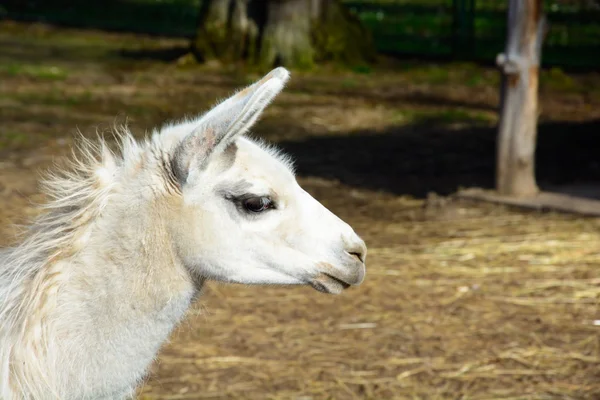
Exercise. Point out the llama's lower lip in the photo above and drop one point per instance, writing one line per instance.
(327, 283)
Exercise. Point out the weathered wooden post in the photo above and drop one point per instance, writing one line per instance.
(517, 130)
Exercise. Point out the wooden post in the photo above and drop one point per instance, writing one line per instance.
(517, 130)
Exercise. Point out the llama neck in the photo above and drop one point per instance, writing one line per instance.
(128, 270)
(127, 290)
(88, 321)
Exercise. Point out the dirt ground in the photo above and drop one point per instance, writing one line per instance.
(461, 301)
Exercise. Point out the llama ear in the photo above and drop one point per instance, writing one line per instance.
(231, 118)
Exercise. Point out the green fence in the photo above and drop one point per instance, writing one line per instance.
(476, 29)
(456, 29)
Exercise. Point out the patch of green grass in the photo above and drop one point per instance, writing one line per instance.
(463, 74)
(42, 72)
(74, 100)
(474, 75)
(349, 83)
(139, 110)
(475, 80)
(447, 117)
(362, 69)
(58, 98)
(433, 74)
(557, 79)
(11, 139)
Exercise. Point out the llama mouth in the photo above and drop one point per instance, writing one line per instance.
(327, 283)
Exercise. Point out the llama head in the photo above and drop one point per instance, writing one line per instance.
(243, 216)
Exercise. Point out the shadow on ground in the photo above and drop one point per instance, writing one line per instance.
(418, 159)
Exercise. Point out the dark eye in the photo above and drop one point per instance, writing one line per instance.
(257, 204)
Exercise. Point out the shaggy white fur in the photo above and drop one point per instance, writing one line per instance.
(126, 242)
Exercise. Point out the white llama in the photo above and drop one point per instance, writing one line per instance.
(127, 241)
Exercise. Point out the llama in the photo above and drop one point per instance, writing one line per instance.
(127, 241)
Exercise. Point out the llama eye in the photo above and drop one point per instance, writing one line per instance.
(257, 204)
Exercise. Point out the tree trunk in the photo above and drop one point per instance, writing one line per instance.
(520, 63)
(294, 33)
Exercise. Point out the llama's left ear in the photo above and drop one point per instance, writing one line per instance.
(218, 128)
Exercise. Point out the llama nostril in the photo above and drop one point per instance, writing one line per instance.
(358, 251)
(355, 247)
(358, 256)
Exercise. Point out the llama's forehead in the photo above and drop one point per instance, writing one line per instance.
(261, 165)
(259, 156)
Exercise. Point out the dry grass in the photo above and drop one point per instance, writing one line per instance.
(461, 300)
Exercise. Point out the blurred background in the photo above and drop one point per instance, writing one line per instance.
(396, 114)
